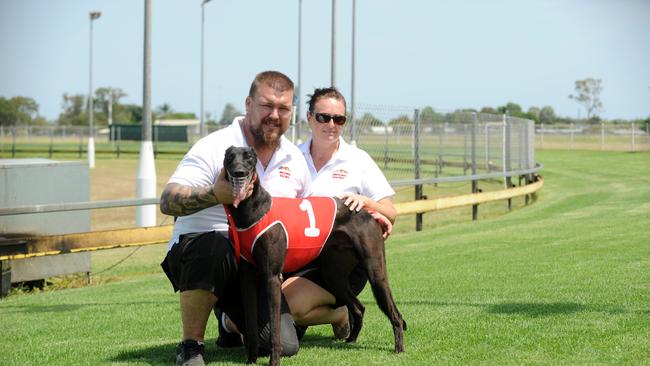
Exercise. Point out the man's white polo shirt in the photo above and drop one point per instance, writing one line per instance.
(350, 170)
(286, 175)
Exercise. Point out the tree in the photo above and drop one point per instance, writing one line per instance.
(129, 113)
(489, 110)
(588, 95)
(460, 116)
(533, 113)
(75, 107)
(428, 116)
(18, 111)
(401, 124)
(367, 121)
(547, 115)
(74, 110)
(229, 113)
(163, 110)
(105, 95)
(512, 109)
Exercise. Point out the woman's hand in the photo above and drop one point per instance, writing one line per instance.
(386, 226)
(355, 202)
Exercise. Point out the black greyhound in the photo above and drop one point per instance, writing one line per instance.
(355, 238)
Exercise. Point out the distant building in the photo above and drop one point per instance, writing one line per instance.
(193, 125)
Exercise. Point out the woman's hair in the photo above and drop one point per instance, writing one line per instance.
(319, 93)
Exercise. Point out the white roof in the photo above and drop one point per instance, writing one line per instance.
(177, 122)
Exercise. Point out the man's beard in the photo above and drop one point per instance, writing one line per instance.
(270, 139)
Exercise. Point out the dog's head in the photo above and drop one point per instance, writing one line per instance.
(239, 163)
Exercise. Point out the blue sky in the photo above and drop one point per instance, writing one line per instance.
(446, 54)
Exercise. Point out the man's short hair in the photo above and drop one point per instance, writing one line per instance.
(274, 79)
(319, 93)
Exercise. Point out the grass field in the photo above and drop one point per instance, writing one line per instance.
(563, 281)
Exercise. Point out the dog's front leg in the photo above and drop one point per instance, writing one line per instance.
(248, 288)
(274, 288)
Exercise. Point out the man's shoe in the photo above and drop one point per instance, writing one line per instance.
(227, 339)
(300, 331)
(189, 353)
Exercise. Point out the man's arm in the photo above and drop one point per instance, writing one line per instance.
(181, 200)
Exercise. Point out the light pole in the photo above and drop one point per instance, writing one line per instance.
(91, 133)
(353, 91)
(298, 101)
(202, 129)
(333, 74)
(146, 176)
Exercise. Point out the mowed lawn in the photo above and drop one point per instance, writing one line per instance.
(563, 281)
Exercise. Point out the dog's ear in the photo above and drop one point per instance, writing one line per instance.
(251, 154)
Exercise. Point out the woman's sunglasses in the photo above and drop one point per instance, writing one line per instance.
(325, 118)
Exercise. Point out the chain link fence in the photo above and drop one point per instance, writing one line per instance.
(405, 142)
(600, 136)
(422, 153)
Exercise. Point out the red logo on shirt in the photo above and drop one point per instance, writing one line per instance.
(339, 174)
(285, 172)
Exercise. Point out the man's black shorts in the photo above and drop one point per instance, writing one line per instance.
(201, 261)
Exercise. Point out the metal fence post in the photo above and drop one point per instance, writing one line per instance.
(51, 141)
(506, 157)
(541, 131)
(571, 133)
(119, 139)
(464, 148)
(81, 137)
(633, 142)
(416, 153)
(155, 141)
(386, 145)
(5, 277)
(474, 181)
(487, 147)
(602, 136)
(441, 149)
(13, 142)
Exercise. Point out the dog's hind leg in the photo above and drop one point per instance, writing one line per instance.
(378, 278)
(335, 263)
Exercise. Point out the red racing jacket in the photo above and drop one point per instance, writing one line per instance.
(307, 223)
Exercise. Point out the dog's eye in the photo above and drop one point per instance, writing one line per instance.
(229, 157)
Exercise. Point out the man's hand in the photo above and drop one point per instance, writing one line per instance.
(182, 200)
(222, 189)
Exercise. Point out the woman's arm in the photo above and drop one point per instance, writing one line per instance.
(384, 206)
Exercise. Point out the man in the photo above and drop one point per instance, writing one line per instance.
(201, 263)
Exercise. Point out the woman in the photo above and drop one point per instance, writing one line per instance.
(337, 169)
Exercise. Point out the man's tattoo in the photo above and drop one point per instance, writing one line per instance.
(180, 200)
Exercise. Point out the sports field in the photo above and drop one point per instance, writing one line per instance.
(563, 281)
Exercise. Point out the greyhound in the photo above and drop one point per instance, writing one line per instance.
(349, 237)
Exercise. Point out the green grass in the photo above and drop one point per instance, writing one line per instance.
(563, 281)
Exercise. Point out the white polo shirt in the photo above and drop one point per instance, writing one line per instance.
(286, 175)
(350, 170)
